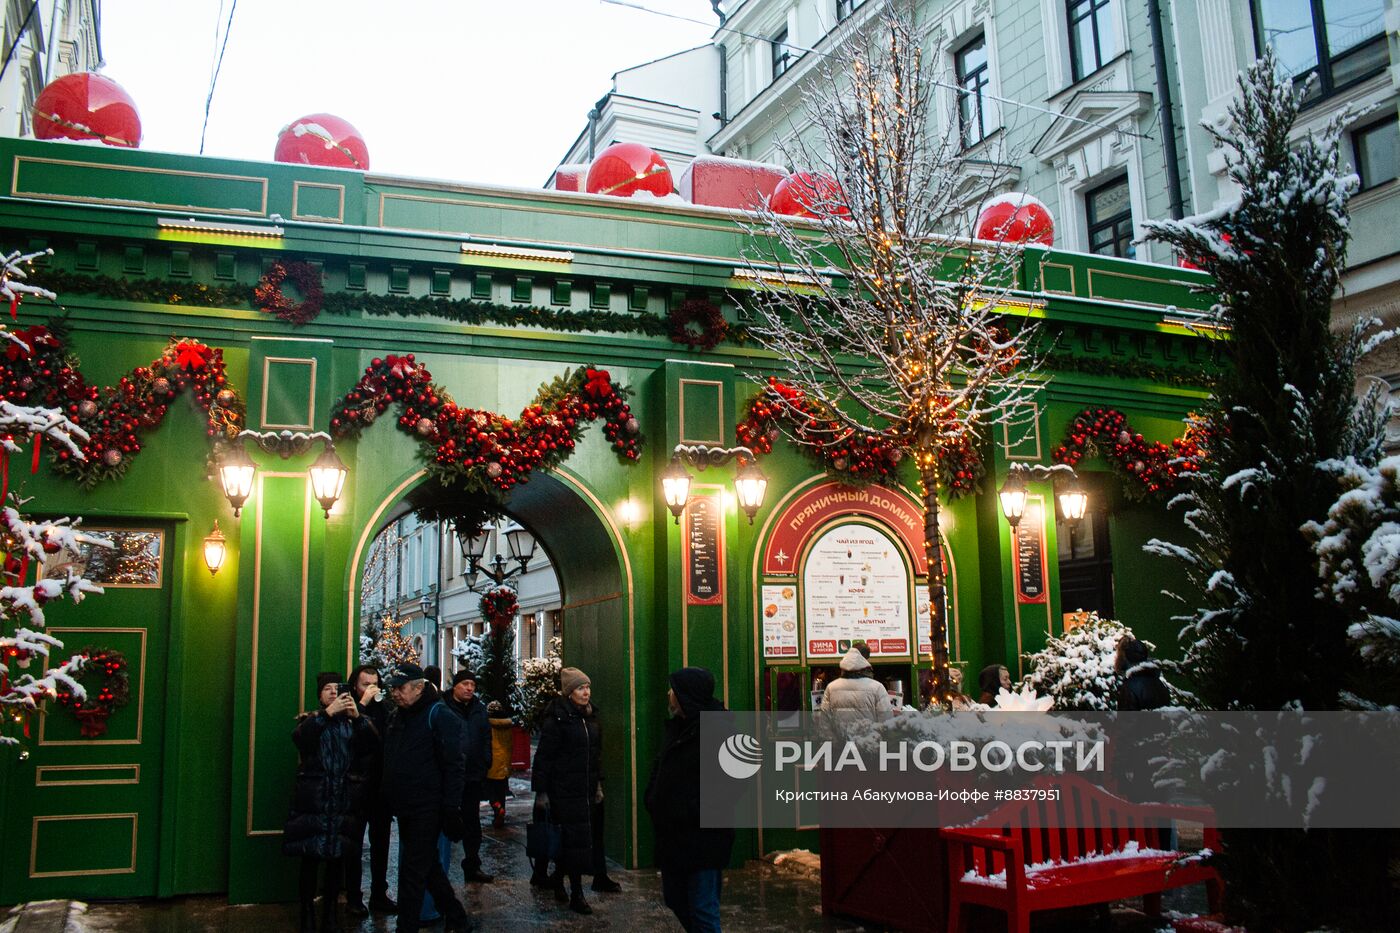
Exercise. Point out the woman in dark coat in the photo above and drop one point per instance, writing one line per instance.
(567, 776)
(1142, 687)
(335, 746)
(990, 682)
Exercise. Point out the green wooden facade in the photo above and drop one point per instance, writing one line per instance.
(188, 791)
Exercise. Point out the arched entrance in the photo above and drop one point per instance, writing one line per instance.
(598, 614)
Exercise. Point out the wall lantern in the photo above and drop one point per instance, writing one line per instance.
(237, 469)
(1074, 501)
(215, 549)
(749, 482)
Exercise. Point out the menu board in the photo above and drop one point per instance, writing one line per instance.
(779, 607)
(702, 551)
(923, 618)
(1030, 555)
(855, 585)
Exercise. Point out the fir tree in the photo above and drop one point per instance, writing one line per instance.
(491, 656)
(1268, 637)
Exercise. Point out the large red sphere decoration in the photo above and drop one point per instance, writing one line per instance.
(1016, 218)
(85, 105)
(809, 194)
(322, 139)
(623, 169)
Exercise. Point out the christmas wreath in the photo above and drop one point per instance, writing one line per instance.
(269, 297)
(476, 452)
(706, 315)
(850, 457)
(499, 607)
(1148, 469)
(100, 702)
(38, 369)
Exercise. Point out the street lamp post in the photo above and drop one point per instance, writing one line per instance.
(520, 544)
(750, 483)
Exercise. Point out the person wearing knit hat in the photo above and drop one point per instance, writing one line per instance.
(476, 725)
(856, 689)
(570, 679)
(567, 781)
(334, 747)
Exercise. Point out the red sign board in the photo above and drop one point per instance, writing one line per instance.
(814, 508)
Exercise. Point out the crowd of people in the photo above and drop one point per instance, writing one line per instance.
(412, 751)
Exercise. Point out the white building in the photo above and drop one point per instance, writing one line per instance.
(671, 104)
(44, 39)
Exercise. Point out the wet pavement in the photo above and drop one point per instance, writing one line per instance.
(759, 897)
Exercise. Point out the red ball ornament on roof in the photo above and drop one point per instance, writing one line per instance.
(322, 139)
(809, 194)
(623, 169)
(85, 105)
(1016, 218)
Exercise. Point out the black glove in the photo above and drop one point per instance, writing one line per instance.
(452, 826)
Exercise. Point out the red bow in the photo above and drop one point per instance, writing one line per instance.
(191, 355)
(33, 338)
(92, 722)
(598, 384)
(400, 367)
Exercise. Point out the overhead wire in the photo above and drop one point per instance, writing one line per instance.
(218, 66)
(934, 81)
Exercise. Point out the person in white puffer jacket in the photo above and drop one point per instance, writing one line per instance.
(857, 690)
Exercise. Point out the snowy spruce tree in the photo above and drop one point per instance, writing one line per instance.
(1267, 636)
(24, 543)
(1077, 669)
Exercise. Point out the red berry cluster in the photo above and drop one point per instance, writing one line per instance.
(115, 417)
(853, 458)
(487, 450)
(499, 607)
(1155, 468)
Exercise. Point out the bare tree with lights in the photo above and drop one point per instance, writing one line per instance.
(897, 330)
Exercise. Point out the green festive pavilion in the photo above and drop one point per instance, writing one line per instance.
(213, 295)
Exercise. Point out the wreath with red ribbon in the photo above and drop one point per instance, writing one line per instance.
(1148, 469)
(114, 692)
(499, 607)
(847, 456)
(269, 297)
(706, 315)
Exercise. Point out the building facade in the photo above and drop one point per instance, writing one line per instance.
(43, 41)
(187, 789)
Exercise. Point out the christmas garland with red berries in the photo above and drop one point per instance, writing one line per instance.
(499, 607)
(481, 452)
(847, 456)
(269, 298)
(1149, 470)
(93, 712)
(38, 370)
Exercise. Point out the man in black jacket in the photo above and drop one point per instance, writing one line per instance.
(424, 764)
(692, 860)
(477, 729)
(374, 706)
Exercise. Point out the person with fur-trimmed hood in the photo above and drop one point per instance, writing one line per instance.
(856, 689)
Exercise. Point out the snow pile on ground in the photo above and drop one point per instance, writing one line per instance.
(798, 861)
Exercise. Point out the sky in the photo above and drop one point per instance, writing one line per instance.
(486, 91)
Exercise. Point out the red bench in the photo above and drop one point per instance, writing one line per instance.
(1088, 847)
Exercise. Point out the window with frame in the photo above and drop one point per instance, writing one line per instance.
(1376, 149)
(1110, 215)
(1340, 41)
(1093, 39)
(970, 65)
(782, 55)
(845, 8)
